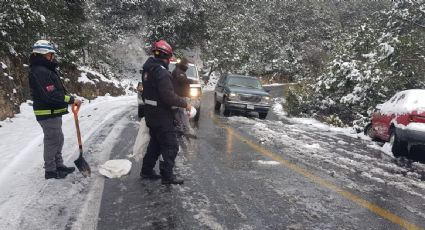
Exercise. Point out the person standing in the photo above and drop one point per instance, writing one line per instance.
(181, 85)
(160, 98)
(50, 102)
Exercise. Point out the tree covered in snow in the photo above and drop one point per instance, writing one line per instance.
(385, 55)
(348, 55)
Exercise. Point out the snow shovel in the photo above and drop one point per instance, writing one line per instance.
(81, 163)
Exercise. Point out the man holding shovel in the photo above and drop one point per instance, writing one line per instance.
(50, 102)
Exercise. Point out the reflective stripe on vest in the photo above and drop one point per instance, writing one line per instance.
(67, 98)
(150, 102)
(49, 111)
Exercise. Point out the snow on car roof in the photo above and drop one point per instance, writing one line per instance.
(405, 102)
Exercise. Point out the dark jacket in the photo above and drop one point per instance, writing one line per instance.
(180, 82)
(50, 98)
(158, 94)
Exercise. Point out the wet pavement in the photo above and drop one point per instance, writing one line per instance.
(246, 173)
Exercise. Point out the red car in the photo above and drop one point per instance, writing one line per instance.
(401, 121)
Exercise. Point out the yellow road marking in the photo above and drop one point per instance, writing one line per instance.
(325, 183)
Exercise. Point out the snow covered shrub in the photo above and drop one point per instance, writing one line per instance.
(334, 120)
(296, 103)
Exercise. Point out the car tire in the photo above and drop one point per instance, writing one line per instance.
(217, 104)
(262, 115)
(368, 131)
(141, 111)
(399, 148)
(226, 111)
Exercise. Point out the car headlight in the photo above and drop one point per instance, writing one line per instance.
(233, 96)
(194, 92)
(265, 99)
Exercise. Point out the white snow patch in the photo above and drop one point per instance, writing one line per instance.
(268, 162)
(84, 70)
(312, 146)
(3, 66)
(84, 79)
(278, 108)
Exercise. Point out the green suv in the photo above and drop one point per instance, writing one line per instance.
(241, 93)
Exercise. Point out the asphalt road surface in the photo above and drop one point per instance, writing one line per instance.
(246, 173)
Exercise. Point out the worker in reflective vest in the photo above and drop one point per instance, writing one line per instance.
(50, 102)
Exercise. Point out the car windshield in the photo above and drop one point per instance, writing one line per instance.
(244, 82)
(191, 71)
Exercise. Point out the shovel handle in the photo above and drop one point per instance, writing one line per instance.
(75, 109)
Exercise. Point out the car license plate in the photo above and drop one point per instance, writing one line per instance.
(250, 106)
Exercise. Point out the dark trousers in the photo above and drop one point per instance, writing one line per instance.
(163, 142)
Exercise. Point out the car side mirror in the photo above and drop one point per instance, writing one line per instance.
(379, 106)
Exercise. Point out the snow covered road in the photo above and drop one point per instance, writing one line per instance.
(241, 173)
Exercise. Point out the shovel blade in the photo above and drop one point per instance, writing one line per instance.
(83, 166)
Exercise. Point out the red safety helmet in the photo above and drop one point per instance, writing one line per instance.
(162, 49)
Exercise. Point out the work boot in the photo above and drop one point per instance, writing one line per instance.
(150, 176)
(171, 180)
(55, 174)
(68, 170)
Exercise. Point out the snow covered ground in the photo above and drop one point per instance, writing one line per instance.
(27, 200)
(340, 152)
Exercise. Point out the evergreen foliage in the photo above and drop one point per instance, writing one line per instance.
(348, 55)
